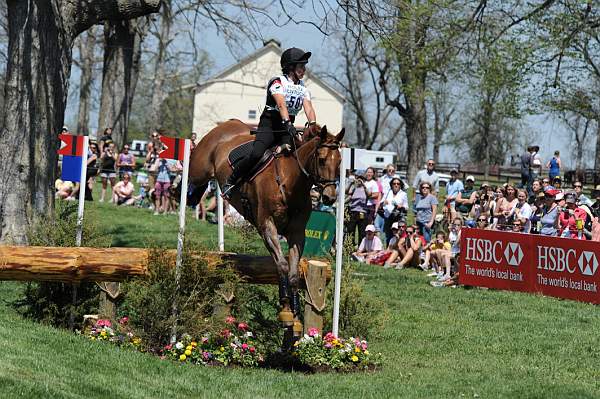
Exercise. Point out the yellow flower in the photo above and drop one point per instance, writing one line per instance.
(296, 343)
(188, 352)
(103, 333)
(356, 349)
(222, 349)
(335, 342)
(366, 352)
(354, 358)
(182, 357)
(194, 344)
(137, 340)
(188, 348)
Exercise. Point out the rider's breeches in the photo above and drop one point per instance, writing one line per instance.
(263, 141)
(270, 131)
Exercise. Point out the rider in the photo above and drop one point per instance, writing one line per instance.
(286, 95)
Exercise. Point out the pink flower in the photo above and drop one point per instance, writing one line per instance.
(252, 349)
(168, 347)
(226, 333)
(230, 320)
(205, 355)
(124, 320)
(313, 331)
(245, 346)
(103, 323)
(329, 336)
(364, 346)
(328, 345)
(243, 326)
(204, 340)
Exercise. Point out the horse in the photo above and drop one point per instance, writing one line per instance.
(276, 201)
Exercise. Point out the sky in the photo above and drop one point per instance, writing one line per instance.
(542, 130)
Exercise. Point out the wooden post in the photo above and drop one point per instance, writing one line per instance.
(316, 289)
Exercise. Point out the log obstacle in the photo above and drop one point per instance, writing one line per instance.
(80, 264)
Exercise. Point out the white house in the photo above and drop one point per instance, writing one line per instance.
(239, 92)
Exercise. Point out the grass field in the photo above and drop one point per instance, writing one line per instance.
(438, 343)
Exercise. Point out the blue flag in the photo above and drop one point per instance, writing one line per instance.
(71, 168)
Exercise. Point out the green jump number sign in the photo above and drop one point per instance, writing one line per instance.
(319, 232)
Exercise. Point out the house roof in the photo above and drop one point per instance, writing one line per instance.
(270, 45)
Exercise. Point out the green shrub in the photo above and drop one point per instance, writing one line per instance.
(361, 314)
(50, 302)
(148, 302)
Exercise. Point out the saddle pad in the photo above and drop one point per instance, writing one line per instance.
(244, 150)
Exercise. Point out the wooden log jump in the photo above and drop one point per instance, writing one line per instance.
(78, 264)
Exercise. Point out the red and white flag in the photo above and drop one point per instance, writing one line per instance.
(175, 147)
(71, 145)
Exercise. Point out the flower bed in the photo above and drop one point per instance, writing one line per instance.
(324, 353)
(236, 346)
(231, 347)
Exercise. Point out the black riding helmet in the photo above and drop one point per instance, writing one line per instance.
(294, 56)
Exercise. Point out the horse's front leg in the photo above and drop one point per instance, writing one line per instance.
(296, 247)
(271, 238)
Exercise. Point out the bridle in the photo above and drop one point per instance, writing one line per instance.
(319, 181)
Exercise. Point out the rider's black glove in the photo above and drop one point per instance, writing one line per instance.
(290, 128)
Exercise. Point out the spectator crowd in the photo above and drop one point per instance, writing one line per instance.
(156, 178)
(378, 211)
(378, 207)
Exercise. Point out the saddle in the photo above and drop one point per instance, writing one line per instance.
(243, 150)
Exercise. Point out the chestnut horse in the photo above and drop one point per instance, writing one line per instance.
(277, 201)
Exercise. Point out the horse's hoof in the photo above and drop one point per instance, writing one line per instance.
(286, 317)
(297, 328)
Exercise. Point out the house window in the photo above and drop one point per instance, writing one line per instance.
(252, 114)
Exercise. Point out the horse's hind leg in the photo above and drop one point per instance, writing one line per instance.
(271, 239)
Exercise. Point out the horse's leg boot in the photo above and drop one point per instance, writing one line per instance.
(286, 316)
(297, 328)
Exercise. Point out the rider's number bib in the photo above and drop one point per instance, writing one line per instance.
(294, 94)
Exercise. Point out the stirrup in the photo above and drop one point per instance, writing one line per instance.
(226, 193)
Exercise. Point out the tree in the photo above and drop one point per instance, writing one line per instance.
(369, 121)
(41, 36)
(497, 72)
(163, 38)
(578, 111)
(86, 61)
(122, 53)
(443, 108)
(420, 39)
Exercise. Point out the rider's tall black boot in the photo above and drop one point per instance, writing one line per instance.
(230, 185)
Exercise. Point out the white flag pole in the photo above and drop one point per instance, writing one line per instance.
(82, 186)
(220, 217)
(80, 209)
(339, 240)
(181, 233)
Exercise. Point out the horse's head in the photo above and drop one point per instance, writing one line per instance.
(325, 170)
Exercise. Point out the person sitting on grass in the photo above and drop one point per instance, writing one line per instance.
(413, 245)
(123, 191)
(65, 190)
(438, 254)
(398, 232)
(369, 246)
